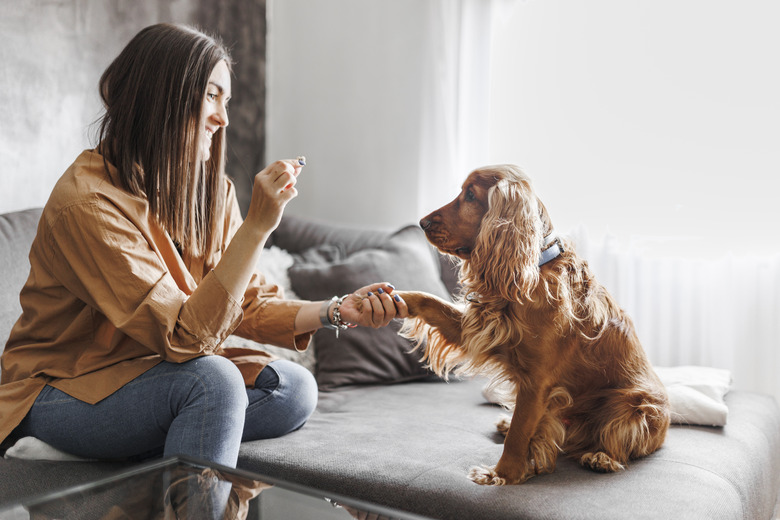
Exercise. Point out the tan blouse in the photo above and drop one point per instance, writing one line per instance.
(109, 297)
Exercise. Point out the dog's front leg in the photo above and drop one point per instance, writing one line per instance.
(436, 324)
(515, 466)
(436, 312)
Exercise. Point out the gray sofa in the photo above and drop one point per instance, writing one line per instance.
(388, 432)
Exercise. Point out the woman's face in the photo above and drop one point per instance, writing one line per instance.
(213, 115)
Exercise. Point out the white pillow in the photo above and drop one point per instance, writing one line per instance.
(273, 263)
(696, 394)
(36, 449)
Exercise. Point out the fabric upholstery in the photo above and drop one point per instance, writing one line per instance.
(17, 231)
(297, 235)
(410, 446)
(24, 479)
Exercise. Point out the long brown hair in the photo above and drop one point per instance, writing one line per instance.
(153, 93)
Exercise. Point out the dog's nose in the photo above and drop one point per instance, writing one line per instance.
(425, 223)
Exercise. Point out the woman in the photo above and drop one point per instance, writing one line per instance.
(142, 266)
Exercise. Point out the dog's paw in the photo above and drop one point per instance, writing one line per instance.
(486, 476)
(502, 424)
(600, 462)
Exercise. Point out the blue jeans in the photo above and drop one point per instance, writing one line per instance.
(199, 408)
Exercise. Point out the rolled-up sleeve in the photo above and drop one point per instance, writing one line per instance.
(269, 318)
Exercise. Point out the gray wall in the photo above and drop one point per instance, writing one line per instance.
(53, 54)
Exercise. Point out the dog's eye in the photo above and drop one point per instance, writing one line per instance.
(470, 197)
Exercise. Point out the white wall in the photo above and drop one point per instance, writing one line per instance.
(344, 82)
(657, 122)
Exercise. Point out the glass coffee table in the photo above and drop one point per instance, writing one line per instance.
(186, 488)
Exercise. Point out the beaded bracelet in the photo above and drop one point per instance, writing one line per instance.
(338, 323)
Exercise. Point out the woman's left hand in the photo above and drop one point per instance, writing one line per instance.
(372, 306)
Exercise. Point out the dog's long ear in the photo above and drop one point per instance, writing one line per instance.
(507, 250)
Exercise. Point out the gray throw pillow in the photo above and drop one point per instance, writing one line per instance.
(364, 355)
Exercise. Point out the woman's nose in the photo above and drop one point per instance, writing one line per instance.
(221, 116)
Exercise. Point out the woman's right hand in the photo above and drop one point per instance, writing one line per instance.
(273, 188)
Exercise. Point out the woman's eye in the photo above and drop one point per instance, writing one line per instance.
(211, 96)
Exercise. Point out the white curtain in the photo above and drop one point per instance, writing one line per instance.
(719, 312)
(456, 95)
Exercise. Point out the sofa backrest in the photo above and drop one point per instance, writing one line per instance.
(17, 231)
(296, 235)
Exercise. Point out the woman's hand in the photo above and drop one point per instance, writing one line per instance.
(372, 306)
(273, 188)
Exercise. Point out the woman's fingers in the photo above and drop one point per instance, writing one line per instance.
(283, 174)
(374, 305)
(383, 309)
(379, 306)
(274, 187)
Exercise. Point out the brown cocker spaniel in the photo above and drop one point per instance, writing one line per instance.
(535, 320)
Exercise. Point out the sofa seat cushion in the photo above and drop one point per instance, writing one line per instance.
(410, 446)
(23, 479)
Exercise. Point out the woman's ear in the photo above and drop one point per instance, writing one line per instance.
(506, 255)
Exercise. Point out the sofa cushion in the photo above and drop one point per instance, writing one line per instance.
(297, 235)
(364, 355)
(25, 479)
(17, 231)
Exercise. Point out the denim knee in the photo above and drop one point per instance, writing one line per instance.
(301, 386)
(221, 379)
(211, 404)
(284, 397)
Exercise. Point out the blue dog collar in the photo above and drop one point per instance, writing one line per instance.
(553, 251)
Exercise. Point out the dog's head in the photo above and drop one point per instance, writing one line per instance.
(497, 225)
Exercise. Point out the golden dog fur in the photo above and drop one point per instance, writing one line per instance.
(579, 381)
